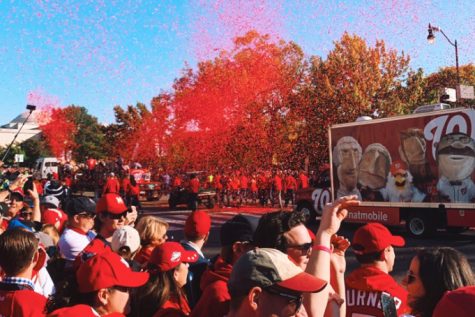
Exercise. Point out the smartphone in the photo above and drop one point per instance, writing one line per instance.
(388, 305)
(28, 185)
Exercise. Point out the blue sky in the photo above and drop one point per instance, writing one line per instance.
(99, 54)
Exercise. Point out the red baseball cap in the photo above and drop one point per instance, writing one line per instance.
(398, 167)
(460, 303)
(106, 270)
(374, 237)
(198, 223)
(111, 203)
(169, 255)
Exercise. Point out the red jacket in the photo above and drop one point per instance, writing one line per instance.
(111, 186)
(97, 246)
(80, 311)
(214, 301)
(363, 292)
(21, 303)
(171, 308)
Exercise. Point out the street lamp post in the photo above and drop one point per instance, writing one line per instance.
(431, 39)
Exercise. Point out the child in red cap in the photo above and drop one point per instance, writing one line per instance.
(103, 284)
(163, 294)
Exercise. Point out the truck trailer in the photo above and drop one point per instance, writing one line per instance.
(416, 170)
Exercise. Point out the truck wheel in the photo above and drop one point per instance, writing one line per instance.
(419, 225)
(149, 196)
(307, 209)
(210, 203)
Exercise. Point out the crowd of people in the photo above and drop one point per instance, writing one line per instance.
(63, 255)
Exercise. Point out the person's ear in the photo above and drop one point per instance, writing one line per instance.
(103, 296)
(253, 297)
(384, 254)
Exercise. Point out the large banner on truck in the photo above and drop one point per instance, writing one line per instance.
(407, 159)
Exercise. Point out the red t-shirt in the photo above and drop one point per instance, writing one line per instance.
(177, 181)
(363, 292)
(253, 185)
(290, 182)
(91, 164)
(217, 182)
(195, 185)
(277, 183)
(303, 180)
(25, 303)
(244, 182)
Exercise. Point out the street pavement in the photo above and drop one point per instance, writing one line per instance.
(464, 242)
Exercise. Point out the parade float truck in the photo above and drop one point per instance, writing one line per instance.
(416, 170)
(149, 189)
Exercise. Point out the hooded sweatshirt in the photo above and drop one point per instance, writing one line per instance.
(214, 301)
(363, 292)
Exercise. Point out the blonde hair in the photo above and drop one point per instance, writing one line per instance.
(151, 228)
(52, 231)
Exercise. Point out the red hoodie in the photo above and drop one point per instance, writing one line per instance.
(363, 292)
(214, 301)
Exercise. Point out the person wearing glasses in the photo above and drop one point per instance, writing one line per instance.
(432, 272)
(373, 245)
(265, 282)
(78, 232)
(286, 232)
(111, 214)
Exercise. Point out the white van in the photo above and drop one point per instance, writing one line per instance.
(45, 166)
(434, 107)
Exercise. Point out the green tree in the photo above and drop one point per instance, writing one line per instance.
(89, 138)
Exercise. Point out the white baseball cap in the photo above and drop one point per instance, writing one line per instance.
(52, 200)
(126, 236)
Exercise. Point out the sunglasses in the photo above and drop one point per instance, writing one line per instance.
(87, 215)
(117, 216)
(303, 248)
(294, 300)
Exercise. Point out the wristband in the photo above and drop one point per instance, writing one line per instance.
(322, 248)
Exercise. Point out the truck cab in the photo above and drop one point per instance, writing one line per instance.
(46, 165)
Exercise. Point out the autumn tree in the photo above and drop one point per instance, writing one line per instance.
(232, 110)
(447, 78)
(354, 80)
